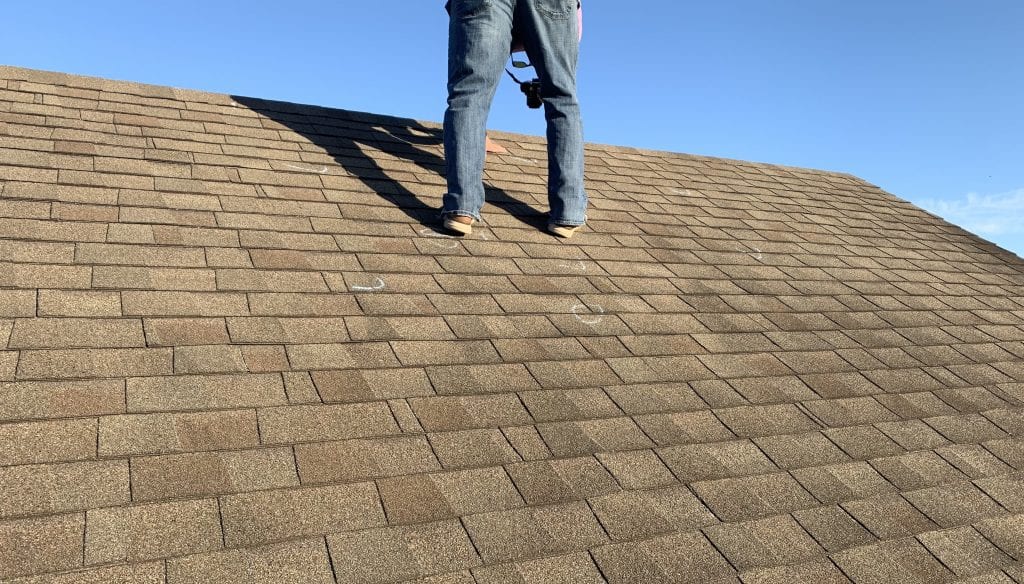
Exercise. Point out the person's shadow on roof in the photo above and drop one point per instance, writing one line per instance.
(344, 134)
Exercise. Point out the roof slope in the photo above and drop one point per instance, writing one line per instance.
(234, 349)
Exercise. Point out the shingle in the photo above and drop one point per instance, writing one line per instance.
(685, 558)
(175, 476)
(578, 567)
(814, 572)
(698, 462)
(341, 356)
(92, 363)
(142, 573)
(296, 562)
(534, 532)
(637, 469)
(737, 499)
(764, 542)
(42, 442)
(1007, 533)
(445, 413)
(41, 544)
(912, 435)
(358, 385)
(964, 551)
(461, 379)
(833, 528)
(966, 429)
(432, 497)
(849, 411)
(902, 560)
(561, 480)
(842, 482)
(889, 516)
(1008, 491)
(749, 421)
(145, 532)
(199, 392)
(362, 459)
(57, 488)
(647, 399)
(264, 517)
(527, 442)
(30, 400)
(472, 448)
(592, 436)
(394, 554)
(916, 470)
(801, 450)
(568, 405)
(769, 390)
(632, 515)
(320, 423)
(684, 428)
(954, 504)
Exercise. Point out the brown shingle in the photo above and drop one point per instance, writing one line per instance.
(753, 497)
(41, 544)
(61, 488)
(42, 442)
(145, 532)
(296, 562)
(685, 558)
(633, 515)
(362, 459)
(534, 532)
(902, 560)
(319, 423)
(419, 498)
(394, 554)
(225, 297)
(764, 542)
(211, 473)
(268, 516)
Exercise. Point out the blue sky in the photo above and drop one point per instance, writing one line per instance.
(924, 98)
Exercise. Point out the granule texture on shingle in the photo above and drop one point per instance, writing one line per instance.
(236, 345)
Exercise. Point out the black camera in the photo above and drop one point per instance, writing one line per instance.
(532, 91)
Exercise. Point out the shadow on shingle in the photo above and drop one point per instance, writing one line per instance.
(343, 134)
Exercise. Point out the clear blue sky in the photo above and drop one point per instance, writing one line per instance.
(922, 97)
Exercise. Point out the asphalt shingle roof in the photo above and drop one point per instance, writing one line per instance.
(234, 348)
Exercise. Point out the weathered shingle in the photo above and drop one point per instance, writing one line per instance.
(235, 347)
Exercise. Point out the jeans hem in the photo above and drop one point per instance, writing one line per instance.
(475, 216)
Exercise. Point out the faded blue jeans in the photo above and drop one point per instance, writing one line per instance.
(479, 38)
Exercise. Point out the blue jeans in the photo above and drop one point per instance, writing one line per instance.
(479, 38)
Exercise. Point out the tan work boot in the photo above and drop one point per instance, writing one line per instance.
(565, 231)
(461, 224)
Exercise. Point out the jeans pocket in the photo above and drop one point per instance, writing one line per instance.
(466, 9)
(556, 9)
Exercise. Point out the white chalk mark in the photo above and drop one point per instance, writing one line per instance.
(437, 239)
(577, 266)
(530, 161)
(378, 285)
(428, 232)
(597, 311)
(441, 244)
(321, 170)
(757, 254)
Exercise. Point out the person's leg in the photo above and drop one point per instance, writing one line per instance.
(479, 37)
(550, 32)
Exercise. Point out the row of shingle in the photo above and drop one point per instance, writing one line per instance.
(510, 533)
(882, 465)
